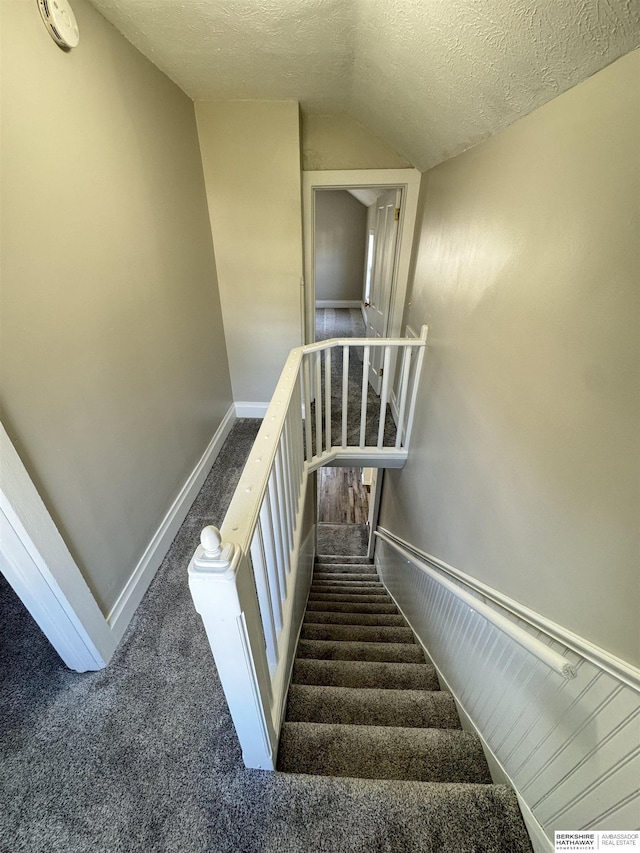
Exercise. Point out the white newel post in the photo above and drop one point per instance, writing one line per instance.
(224, 595)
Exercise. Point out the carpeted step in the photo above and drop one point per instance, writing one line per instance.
(357, 651)
(325, 588)
(342, 538)
(382, 752)
(363, 582)
(323, 617)
(336, 577)
(381, 706)
(357, 633)
(346, 568)
(343, 558)
(349, 607)
(344, 596)
(378, 816)
(364, 673)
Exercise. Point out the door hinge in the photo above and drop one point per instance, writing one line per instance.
(397, 214)
(380, 372)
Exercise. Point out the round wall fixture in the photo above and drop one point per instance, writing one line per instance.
(60, 22)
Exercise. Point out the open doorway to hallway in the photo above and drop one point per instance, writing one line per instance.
(348, 503)
(354, 256)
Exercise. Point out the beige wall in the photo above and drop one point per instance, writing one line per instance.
(524, 466)
(251, 158)
(114, 372)
(341, 142)
(341, 226)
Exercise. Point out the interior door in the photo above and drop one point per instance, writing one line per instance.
(384, 255)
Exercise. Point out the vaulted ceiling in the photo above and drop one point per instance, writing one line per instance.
(429, 77)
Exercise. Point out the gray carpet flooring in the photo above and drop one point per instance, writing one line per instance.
(365, 710)
(343, 539)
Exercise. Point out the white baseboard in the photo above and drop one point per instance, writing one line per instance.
(539, 839)
(251, 410)
(338, 303)
(149, 563)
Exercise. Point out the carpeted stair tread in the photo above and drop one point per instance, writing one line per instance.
(352, 607)
(357, 633)
(365, 673)
(370, 582)
(382, 752)
(336, 577)
(358, 651)
(343, 558)
(347, 596)
(327, 617)
(380, 815)
(342, 538)
(347, 568)
(372, 706)
(324, 588)
(365, 707)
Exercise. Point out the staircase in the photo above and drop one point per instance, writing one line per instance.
(364, 703)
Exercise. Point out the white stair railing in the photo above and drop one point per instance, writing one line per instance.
(250, 579)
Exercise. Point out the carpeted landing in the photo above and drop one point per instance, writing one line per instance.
(364, 704)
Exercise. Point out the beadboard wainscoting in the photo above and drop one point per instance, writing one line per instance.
(569, 747)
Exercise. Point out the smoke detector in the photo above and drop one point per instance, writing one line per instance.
(60, 22)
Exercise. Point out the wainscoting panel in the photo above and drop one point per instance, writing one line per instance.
(571, 748)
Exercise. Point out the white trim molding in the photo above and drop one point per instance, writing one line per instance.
(338, 303)
(37, 564)
(251, 410)
(135, 588)
(408, 180)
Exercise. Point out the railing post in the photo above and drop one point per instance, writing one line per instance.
(424, 331)
(224, 595)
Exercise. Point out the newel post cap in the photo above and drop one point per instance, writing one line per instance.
(214, 555)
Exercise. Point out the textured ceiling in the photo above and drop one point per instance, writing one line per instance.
(430, 77)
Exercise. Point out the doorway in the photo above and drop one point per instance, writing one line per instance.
(365, 186)
(355, 243)
(348, 502)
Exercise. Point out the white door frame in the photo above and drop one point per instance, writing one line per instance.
(409, 181)
(37, 564)
(375, 496)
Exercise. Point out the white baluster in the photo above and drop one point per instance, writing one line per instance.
(283, 520)
(384, 396)
(276, 527)
(404, 385)
(365, 390)
(271, 560)
(285, 457)
(345, 392)
(327, 398)
(306, 374)
(259, 565)
(318, 404)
